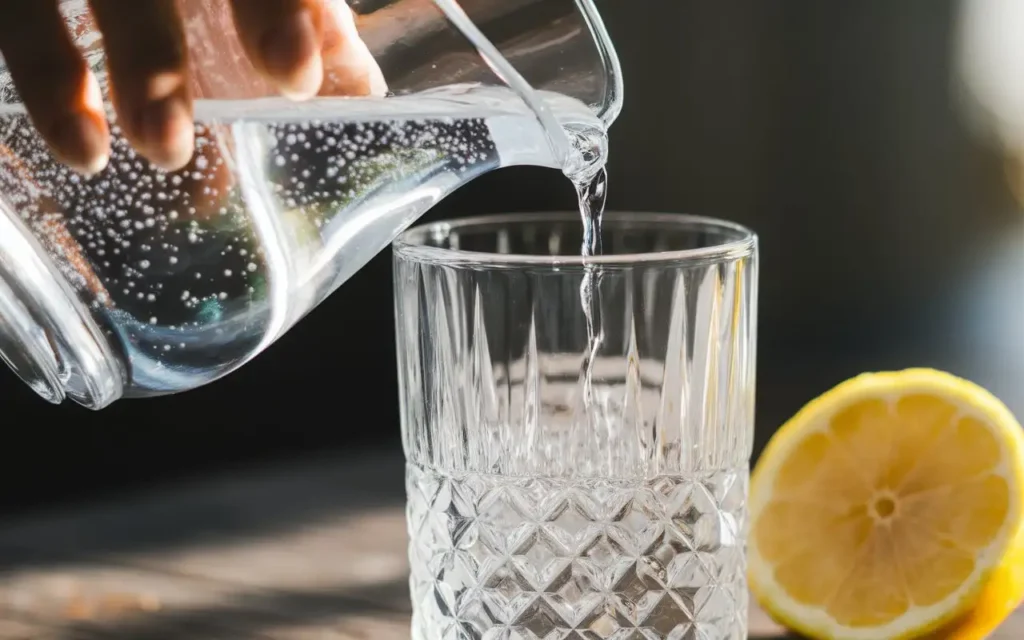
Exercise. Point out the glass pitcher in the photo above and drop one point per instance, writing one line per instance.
(139, 282)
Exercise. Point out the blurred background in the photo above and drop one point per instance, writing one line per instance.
(873, 145)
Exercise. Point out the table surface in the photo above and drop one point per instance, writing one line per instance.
(304, 551)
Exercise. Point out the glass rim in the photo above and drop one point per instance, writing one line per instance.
(411, 244)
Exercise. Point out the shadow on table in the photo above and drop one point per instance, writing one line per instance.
(249, 505)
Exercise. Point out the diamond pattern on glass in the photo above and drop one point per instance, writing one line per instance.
(493, 559)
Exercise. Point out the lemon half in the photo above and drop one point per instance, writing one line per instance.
(884, 508)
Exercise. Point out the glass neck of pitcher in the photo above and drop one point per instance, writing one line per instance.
(603, 63)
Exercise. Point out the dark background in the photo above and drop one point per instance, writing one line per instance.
(889, 234)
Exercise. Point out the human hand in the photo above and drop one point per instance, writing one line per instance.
(288, 44)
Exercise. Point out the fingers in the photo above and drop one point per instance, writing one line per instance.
(283, 39)
(60, 93)
(289, 41)
(349, 67)
(148, 65)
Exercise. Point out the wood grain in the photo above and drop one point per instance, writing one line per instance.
(312, 550)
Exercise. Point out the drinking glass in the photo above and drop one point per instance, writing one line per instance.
(541, 506)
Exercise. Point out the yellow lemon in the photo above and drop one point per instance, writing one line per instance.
(890, 508)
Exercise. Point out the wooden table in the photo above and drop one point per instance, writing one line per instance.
(308, 551)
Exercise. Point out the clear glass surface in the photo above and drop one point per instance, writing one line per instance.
(139, 282)
(536, 509)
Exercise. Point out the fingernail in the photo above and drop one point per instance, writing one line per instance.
(168, 131)
(82, 143)
(291, 55)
